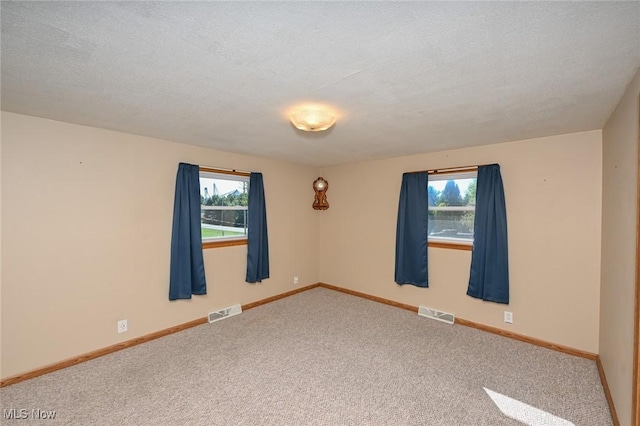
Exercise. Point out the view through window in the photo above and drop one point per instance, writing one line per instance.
(223, 206)
(452, 204)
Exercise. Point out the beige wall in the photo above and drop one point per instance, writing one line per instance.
(619, 210)
(86, 221)
(1, 315)
(553, 195)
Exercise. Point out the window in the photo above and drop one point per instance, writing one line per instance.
(452, 204)
(224, 198)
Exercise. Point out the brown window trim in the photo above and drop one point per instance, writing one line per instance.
(453, 246)
(223, 243)
(452, 170)
(224, 172)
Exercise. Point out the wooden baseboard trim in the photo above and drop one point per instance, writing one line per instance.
(467, 323)
(504, 333)
(133, 342)
(277, 297)
(369, 297)
(607, 392)
(146, 338)
(527, 339)
(100, 352)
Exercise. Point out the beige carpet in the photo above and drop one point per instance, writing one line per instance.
(322, 358)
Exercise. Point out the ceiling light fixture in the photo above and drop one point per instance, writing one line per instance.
(312, 120)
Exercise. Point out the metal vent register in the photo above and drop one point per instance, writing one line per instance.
(436, 314)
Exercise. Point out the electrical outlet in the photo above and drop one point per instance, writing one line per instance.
(122, 326)
(295, 280)
(508, 317)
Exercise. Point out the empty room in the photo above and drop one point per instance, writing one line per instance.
(319, 213)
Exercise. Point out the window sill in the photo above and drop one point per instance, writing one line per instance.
(452, 246)
(224, 243)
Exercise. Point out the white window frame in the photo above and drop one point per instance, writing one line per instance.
(465, 244)
(230, 240)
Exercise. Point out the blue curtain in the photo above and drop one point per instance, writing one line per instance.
(187, 264)
(257, 239)
(411, 231)
(489, 277)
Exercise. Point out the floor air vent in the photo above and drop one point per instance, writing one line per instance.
(225, 313)
(436, 315)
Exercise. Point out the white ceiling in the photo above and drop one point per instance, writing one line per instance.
(405, 78)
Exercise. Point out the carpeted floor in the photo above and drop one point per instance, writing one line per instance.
(321, 358)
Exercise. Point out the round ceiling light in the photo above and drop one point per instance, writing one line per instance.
(312, 120)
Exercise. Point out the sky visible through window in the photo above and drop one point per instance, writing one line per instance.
(223, 186)
(463, 184)
(226, 186)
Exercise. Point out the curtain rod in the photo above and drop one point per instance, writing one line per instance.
(452, 169)
(222, 170)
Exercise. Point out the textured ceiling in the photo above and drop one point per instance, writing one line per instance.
(404, 78)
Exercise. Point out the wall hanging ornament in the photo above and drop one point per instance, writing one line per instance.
(320, 186)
